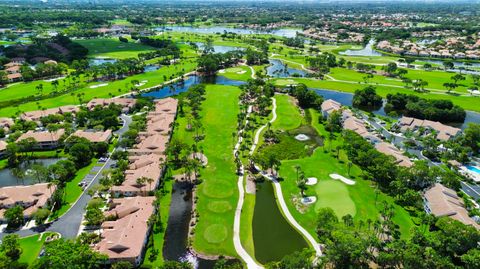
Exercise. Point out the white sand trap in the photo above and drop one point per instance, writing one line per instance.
(140, 84)
(98, 85)
(343, 179)
(221, 71)
(302, 137)
(312, 181)
(241, 72)
(308, 200)
(53, 79)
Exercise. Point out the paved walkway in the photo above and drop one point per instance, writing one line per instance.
(251, 263)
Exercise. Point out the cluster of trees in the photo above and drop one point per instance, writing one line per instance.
(255, 57)
(45, 47)
(210, 63)
(431, 109)
(164, 48)
(404, 184)
(367, 98)
(322, 63)
(306, 98)
(296, 42)
(99, 118)
(260, 93)
(438, 243)
(43, 71)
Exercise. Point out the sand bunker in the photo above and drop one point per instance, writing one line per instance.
(312, 181)
(98, 86)
(221, 71)
(343, 179)
(241, 72)
(302, 137)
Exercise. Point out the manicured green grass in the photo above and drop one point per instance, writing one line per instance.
(246, 230)
(72, 190)
(159, 238)
(113, 48)
(31, 247)
(114, 88)
(214, 231)
(288, 112)
(242, 73)
(359, 200)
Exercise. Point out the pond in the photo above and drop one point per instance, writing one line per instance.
(218, 48)
(283, 32)
(273, 236)
(278, 69)
(151, 68)
(175, 247)
(100, 61)
(366, 51)
(8, 179)
(180, 87)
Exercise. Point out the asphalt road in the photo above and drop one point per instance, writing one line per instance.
(69, 223)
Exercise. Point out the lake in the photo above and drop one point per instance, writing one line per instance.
(8, 179)
(283, 32)
(278, 69)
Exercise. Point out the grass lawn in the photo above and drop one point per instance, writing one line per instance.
(73, 191)
(158, 238)
(242, 73)
(117, 87)
(246, 229)
(359, 200)
(217, 195)
(288, 112)
(113, 48)
(31, 246)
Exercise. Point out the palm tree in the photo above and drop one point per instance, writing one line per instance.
(141, 181)
(19, 173)
(302, 184)
(149, 181)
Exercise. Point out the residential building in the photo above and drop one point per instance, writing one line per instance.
(329, 106)
(443, 132)
(38, 114)
(45, 139)
(442, 201)
(3, 148)
(391, 150)
(30, 197)
(94, 136)
(125, 238)
(127, 104)
(6, 123)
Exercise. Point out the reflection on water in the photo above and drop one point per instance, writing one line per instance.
(273, 236)
(366, 51)
(218, 48)
(100, 61)
(7, 177)
(221, 29)
(278, 69)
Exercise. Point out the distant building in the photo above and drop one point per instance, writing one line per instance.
(127, 104)
(94, 137)
(6, 123)
(444, 132)
(39, 114)
(31, 198)
(442, 201)
(124, 238)
(3, 148)
(329, 106)
(45, 139)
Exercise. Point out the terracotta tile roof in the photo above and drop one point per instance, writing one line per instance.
(3, 145)
(124, 238)
(38, 114)
(443, 201)
(329, 106)
(31, 197)
(95, 137)
(391, 150)
(126, 103)
(6, 122)
(43, 137)
(14, 76)
(444, 132)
